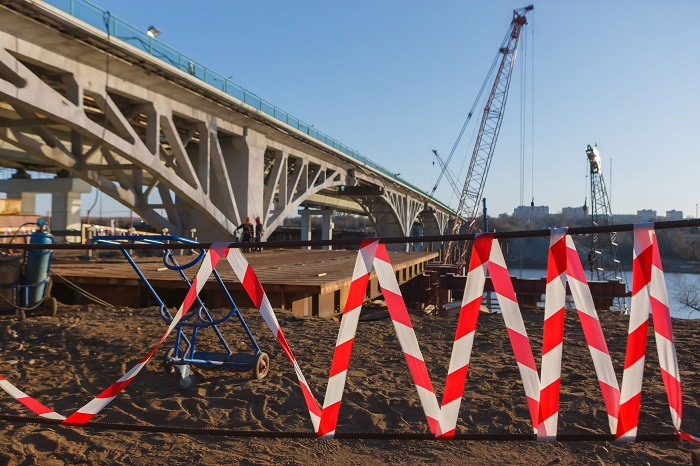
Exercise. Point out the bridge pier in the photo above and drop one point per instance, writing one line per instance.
(326, 224)
(65, 199)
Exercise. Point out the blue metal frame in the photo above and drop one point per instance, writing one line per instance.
(197, 320)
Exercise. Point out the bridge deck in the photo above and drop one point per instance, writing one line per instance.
(309, 282)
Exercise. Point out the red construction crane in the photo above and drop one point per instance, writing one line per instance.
(486, 138)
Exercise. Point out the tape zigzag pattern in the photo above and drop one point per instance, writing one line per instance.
(486, 257)
(542, 393)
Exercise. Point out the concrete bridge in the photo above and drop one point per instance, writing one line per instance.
(101, 104)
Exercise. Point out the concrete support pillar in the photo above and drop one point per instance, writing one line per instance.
(245, 164)
(327, 226)
(305, 226)
(65, 213)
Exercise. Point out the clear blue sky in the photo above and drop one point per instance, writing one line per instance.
(395, 79)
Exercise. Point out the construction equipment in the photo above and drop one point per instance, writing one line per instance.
(25, 277)
(445, 171)
(200, 319)
(603, 258)
(486, 138)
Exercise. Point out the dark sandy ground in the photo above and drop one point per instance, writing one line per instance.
(66, 360)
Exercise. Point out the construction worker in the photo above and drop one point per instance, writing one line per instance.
(258, 233)
(246, 233)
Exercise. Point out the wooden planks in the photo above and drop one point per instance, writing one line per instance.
(292, 278)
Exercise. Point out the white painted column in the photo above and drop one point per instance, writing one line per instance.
(245, 167)
(65, 213)
(327, 226)
(305, 226)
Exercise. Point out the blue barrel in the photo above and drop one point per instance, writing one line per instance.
(36, 272)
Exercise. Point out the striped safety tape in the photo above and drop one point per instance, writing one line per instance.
(487, 257)
(255, 291)
(87, 412)
(542, 395)
(648, 273)
(36, 407)
(552, 336)
(593, 332)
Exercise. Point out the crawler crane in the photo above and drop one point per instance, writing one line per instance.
(486, 138)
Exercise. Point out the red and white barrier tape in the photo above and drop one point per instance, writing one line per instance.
(649, 293)
(649, 270)
(255, 291)
(374, 255)
(631, 393)
(346, 338)
(36, 407)
(593, 332)
(87, 412)
(407, 336)
(464, 337)
(552, 336)
(487, 257)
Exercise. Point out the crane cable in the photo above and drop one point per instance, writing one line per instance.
(484, 85)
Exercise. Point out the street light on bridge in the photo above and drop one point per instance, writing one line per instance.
(153, 32)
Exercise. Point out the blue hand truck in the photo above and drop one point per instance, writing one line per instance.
(184, 354)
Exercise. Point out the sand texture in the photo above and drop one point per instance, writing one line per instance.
(64, 361)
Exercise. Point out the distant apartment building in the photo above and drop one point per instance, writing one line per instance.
(646, 215)
(625, 218)
(527, 211)
(574, 212)
(674, 215)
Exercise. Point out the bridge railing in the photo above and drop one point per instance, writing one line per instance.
(103, 20)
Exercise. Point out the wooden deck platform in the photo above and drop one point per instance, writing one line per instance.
(308, 282)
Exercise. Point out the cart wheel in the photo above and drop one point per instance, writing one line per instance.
(52, 306)
(261, 366)
(21, 315)
(184, 383)
(167, 365)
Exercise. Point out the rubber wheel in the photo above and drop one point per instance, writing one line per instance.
(167, 365)
(261, 366)
(52, 306)
(184, 383)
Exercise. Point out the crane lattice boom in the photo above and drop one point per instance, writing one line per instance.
(604, 259)
(487, 136)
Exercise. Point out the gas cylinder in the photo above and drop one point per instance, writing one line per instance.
(36, 272)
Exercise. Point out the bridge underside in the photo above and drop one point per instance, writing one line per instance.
(181, 154)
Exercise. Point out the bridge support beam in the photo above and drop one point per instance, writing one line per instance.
(245, 159)
(327, 226)
(305, 226)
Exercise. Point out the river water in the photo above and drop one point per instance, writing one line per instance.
(674, 282)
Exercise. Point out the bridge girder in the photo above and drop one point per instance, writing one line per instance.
(179, 152)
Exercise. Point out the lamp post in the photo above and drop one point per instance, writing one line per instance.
(152, 33)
